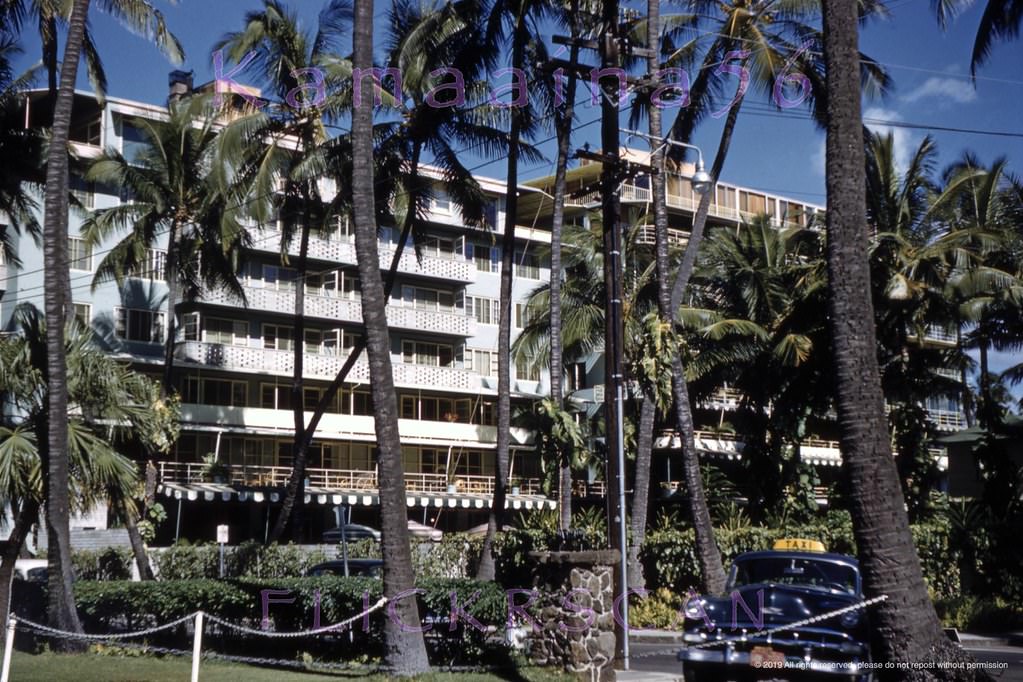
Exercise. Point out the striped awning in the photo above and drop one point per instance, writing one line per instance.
(212, 492)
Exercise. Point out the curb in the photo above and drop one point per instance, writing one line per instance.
(655, 636)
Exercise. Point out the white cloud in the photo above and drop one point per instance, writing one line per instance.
(903, 141)
(958, 90)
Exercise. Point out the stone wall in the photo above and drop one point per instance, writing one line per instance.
(574, 606)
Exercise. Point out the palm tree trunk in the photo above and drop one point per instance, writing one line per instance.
(711, 567)
(486, 569)
(564, 132)
(404, 649)
(26, 515)
(138, 547)
(294, 493)
(648, 410)
(61, 603)
(905, 627)
(173, 291)
(641, 489)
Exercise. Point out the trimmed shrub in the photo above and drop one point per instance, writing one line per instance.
(112, 563)
(976, 614)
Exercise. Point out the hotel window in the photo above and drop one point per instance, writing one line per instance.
(483, 362)
(527, 266)
(322, 341)
(216, 392)
(575, 376)
(428, 299)
(485, 310)
(134, 324)
(190, 326)
(362, 403)
(278, 337)
(486, 258)
(226, 332)
(276, 277)
(275, 396)
(83, 313)
(134, 142)
(421, 353)
(441, 247)
(440, 202)
(526, 371)
(322, 283)
(153, 265)
(523, 315)
(79, 254)
(83, 191)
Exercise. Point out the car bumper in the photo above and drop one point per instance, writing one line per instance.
(729, 656)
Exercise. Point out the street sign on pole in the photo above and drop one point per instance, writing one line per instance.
(222, 539)
(343, 516)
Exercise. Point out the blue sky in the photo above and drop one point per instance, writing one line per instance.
(780, 152)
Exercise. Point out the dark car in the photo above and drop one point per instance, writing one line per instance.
(795, 585)
(367, 568)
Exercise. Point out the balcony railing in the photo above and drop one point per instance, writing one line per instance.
(342, 250)
(349, 310)
(947, 420)
(281, 362)
(354, 480)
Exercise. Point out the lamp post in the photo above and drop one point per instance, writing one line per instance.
(701, 180)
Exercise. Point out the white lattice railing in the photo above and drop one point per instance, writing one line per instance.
(281, 362)
(261, 475)
(342, 250)
(456, 323)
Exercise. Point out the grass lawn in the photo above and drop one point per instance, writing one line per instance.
(93, 668)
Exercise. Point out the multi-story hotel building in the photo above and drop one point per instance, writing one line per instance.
(235, 361)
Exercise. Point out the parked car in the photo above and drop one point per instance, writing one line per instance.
(369, 568)
(797, 580)
(33, 570)
(353, 531)
(420, 530)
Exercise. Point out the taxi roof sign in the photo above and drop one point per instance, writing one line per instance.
(799, 545)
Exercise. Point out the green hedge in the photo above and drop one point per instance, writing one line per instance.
(975, 614)
(669, 556)
(121, 605)
(185, 561)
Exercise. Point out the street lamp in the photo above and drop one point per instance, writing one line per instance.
(702, 182)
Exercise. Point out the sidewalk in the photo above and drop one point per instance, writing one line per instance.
(644, 676)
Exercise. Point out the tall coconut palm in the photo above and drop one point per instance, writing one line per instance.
(54, 451)
(113, 406)
(271, 147)
(518, 20)
(780, 42)
(51, 16)
(171, 191)
(906, 626)
(405, 650)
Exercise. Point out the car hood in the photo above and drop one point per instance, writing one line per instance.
(781, 604)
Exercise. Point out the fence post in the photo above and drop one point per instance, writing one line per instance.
(196, 647)
(8, 649)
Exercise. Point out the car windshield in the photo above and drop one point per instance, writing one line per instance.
(792, 571)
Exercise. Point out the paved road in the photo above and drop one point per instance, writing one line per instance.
(660, 658)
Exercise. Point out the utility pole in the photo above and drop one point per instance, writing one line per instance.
(614, 335)
(614, 171)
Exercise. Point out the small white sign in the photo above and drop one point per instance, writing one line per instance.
(222, 534)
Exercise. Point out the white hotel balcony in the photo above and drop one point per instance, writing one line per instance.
(342, 250)
(281, 362)
(348, 310)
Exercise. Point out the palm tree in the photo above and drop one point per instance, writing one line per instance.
(138, 16)
(760, 328)
(54, 450)
(113, 407)
(284, 54)
(1001, 21)
(906, 625)
(172, 190)
(519, 18)
(405, 649)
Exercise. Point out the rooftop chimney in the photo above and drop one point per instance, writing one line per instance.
(179, 85)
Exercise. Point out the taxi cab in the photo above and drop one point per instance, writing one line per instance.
(796, 580)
